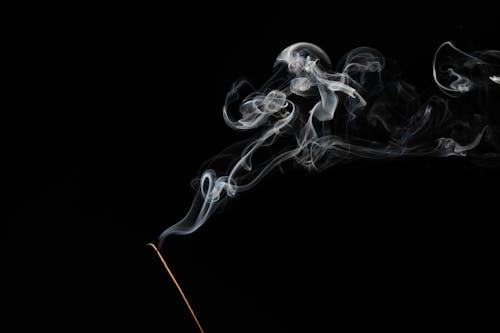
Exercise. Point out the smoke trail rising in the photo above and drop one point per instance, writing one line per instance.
(319, 117)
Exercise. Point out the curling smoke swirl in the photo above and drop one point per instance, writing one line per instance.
(319, 117)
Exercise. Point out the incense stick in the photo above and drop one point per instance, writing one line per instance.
(177, 286)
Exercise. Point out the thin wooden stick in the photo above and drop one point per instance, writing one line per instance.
(178, 287)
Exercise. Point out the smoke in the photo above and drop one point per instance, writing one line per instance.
(319, 117)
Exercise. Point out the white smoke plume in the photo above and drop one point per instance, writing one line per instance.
(319, 117)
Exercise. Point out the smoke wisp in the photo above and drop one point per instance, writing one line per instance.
(317, 117)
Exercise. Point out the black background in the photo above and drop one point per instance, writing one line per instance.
(109, 112)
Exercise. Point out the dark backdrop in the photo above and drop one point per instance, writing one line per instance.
(109, 112)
